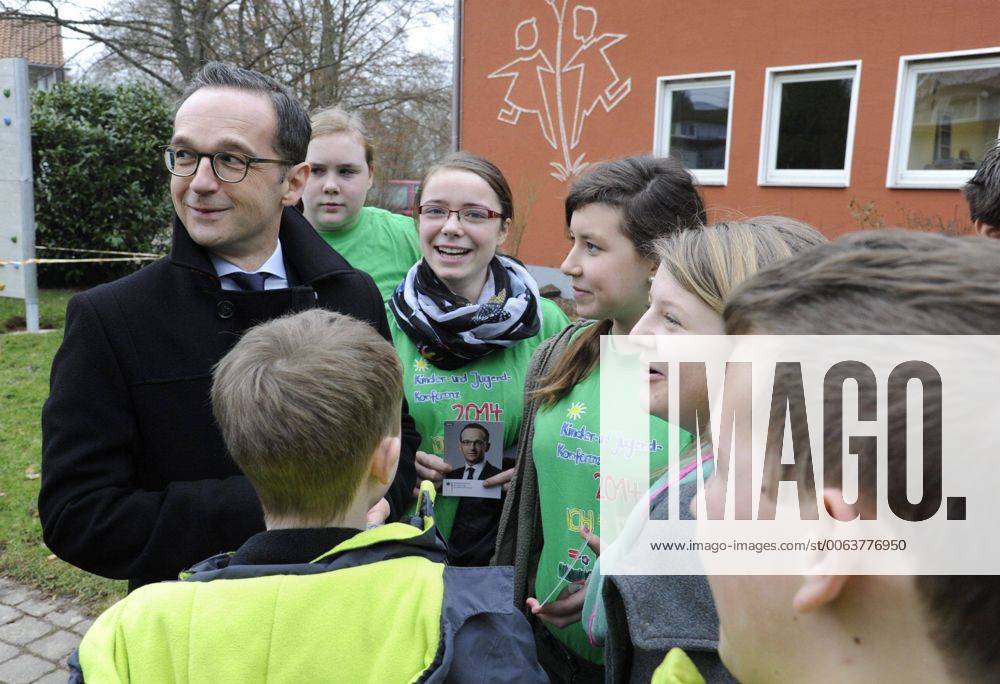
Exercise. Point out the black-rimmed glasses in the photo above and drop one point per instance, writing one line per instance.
(228, 167)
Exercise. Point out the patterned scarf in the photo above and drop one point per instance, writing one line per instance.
(449, 331)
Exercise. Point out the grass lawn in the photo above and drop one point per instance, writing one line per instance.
(51, 310)
(24, 385)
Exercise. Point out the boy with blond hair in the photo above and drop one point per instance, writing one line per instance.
(309, 406)
(863, 628)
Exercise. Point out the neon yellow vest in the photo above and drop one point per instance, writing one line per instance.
(677, 668)
(349, 616)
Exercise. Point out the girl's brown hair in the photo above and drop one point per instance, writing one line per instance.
(657, 198)
(480, 166)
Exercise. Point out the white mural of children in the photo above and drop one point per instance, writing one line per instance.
(527, 93)
(599, 84)
(562, 93)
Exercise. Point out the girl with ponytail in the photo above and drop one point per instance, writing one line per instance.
(614, 215)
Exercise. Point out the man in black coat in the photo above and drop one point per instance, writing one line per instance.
(136, 481)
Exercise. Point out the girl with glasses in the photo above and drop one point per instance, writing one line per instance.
(376, 241)
(465, 321)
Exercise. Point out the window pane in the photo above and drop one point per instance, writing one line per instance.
(956, 115)
(812, 131)
(698, 120)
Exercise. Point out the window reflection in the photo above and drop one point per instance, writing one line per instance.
(698, 122)
(956, 116)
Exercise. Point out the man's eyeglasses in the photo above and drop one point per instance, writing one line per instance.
(474, 442)
(228, 167)
(435, 213)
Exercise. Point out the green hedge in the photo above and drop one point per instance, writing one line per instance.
(100, 182)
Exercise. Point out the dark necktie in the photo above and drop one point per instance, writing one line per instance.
(470, 471)
(249, 282)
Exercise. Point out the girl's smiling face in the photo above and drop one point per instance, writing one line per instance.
(674, 310)
(610, 278)
(459, 252)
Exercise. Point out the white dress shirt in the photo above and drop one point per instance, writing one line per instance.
(274, 267)
(476, 470)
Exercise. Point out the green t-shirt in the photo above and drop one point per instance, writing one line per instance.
(382, 244)
(489, 389)
(567, 453)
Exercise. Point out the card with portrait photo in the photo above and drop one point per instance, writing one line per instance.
(474, 450)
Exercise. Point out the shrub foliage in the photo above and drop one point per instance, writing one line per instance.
(100, 182)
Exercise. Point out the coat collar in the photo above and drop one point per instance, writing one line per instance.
(419, 537)
(302, 246)
(300, 545)
(385, 542)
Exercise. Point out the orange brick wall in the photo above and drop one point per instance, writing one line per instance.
(666, 37)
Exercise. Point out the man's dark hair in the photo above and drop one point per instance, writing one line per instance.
(983, 191)
(896, 283)
(477, 426)
(292, 130)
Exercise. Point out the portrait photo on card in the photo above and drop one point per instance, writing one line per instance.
(474, 450)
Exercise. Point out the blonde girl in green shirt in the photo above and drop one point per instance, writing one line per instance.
(378, 242)
(614, 215)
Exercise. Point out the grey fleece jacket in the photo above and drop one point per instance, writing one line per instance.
(650, 614)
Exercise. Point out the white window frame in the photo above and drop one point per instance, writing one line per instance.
(897, 175)
(774, 78)
(665, 86)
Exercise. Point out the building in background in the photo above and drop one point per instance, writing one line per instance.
(847, 114)
(38, 42)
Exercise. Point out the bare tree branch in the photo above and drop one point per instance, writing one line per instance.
(347, 52)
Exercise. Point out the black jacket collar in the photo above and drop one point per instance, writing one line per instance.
(259, 555)
(303, 545)
(302, 246)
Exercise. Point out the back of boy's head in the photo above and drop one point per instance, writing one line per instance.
(887, 282)
(982, 192)
(303, 401)
(894, 283)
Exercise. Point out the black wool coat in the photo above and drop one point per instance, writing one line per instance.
(136, 481)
